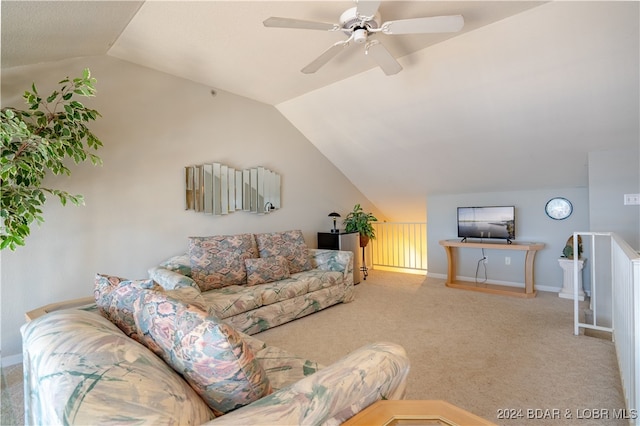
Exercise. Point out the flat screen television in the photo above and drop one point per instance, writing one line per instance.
(497, 222)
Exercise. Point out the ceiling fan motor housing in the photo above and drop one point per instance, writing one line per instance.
(358, 25)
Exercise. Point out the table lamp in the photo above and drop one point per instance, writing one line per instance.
(334, 215)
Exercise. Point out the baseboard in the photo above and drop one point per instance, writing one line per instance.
(434, 275)
(11, 360)
(549, 288)
(399, 269)
(538, 287)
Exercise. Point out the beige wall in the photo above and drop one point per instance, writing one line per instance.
(152, 126)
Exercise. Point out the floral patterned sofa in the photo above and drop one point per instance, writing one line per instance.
(257, 281)
(145, 355)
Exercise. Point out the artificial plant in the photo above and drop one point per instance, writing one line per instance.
(360, 221)
(37, 141)
(568, 250)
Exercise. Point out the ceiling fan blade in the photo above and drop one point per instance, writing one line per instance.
(383, 58)
(367, 8)
(434, 24)
(325, 57)
(278, 22)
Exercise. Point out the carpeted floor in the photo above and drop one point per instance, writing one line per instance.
(11, 411)
(491, 355)
(488, 354)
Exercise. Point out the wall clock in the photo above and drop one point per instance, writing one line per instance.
(558, 208)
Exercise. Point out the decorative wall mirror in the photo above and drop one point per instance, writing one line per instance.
(218, 189)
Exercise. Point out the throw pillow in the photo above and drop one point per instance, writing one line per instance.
(289, 244)
(170, 280)
(266, 270)
(218, 261)
(210, 354)
(179, 263)
(114, 298)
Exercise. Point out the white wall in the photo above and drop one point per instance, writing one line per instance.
(152, 126)
(532, 225)
(598, 208)
(611, 175)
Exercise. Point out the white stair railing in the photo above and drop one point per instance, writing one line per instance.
(400, 246)
(624, 285)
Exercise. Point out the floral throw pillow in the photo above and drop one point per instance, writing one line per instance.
(289, 244)
(266, 270)
(218, 261)
(179, 264)
(114, 298)
(211, 355)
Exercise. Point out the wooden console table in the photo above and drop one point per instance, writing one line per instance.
(529, 288)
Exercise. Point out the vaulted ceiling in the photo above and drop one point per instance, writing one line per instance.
(515, 100)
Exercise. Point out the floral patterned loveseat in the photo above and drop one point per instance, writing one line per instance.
(148, 356)
(257, 281)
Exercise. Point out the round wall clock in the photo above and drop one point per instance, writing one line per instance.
(558, 208)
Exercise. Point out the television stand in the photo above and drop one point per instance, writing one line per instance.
(450, 247)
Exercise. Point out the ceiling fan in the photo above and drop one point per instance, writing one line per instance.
(362, 21)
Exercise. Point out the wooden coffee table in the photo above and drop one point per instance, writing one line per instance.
(415, 413)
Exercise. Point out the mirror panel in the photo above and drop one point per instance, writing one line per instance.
(216, 189)
(231, 189)
(207, 170)
(224, 189)
(253, 206)
(199, 190)
(267, 191)
(276, 191)
(190, 193)
(238, 190)
(246, 190)
(260, 183)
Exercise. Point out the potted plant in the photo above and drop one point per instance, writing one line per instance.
(359, 221)
(38, 141)
(569, 251)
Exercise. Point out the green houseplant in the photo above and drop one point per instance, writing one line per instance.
(360, 221)
(38, 141)
(568, 250)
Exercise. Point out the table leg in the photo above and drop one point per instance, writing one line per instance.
(528, 272)
(363, 268)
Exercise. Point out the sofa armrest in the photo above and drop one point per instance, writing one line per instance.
(68, 304)
(332, 260)
(170, 280)
(335, 393)
(80, 369)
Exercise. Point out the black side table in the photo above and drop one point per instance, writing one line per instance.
(346, 241)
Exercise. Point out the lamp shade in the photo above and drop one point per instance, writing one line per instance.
(334, 214)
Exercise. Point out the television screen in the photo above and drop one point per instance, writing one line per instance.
(487, 222)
